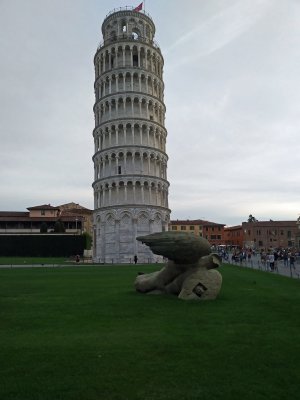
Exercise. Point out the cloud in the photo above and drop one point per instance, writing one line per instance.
(221, 28)
(231, 93)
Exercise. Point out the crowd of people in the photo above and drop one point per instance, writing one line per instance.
(268, 258)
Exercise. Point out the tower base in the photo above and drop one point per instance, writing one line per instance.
(116, 229)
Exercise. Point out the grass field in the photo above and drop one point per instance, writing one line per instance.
(84, 334)
(34, 260)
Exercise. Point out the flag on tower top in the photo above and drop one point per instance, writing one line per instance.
(139, 7)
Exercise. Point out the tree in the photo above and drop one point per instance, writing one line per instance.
(59, 227)
(251, 218)
(88, 240)
(43, 228)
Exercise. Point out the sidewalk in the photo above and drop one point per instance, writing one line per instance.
(280, 269)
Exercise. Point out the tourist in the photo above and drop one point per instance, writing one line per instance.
(271, 261)
(292, 260)
(285, 258)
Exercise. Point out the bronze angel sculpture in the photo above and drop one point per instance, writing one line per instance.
(190, 272)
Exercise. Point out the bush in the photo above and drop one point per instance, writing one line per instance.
(44, 228)
(41, 245)
(59, 227)
(88, 240)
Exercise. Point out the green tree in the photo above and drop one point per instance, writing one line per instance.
(43, 228)
(88, 240)
(59, 227)
(251, 218)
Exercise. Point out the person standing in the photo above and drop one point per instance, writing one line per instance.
(292, 260)
(135, 259)
(285, 258)
(271, 261)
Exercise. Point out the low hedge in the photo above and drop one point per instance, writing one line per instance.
(42, 245)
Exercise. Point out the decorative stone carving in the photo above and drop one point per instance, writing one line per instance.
(190, 272)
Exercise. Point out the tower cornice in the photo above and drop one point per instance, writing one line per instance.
(126, 12)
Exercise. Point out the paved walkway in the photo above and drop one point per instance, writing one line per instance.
(280, 269)
(254, 263)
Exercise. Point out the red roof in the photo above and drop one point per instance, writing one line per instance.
(195, 222)
(43, 207)
(18, 214)
(23, 218)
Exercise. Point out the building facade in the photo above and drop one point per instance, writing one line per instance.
(211, 231)
(31, 222)
(130, 161)
(234, 236)
(271, 234)
(79, 212)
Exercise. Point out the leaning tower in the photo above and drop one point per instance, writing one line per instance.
(130, 160)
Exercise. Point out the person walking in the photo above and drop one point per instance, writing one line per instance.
(292, 260)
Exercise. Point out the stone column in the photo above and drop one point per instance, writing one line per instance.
(109, 62)
(109, 165)
(141, 133)
(134, 223)
(103, 197)
(117, 136)
(102, 229)
(117, 108)
(142, 193)
(125, 191)
(117, 83)
(118, 194)
(103, 168)
(125, 134)
(123, 48)
(131, 81)
(109, 195)
(133, 189)
(117, 240)
(131, 58)
(147, 88)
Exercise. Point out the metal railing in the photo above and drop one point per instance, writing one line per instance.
(128, 8)
(131, 38)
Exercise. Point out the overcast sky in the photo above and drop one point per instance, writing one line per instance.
(232, 94)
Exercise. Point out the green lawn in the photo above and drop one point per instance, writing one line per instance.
(84, 333)
(34, 260)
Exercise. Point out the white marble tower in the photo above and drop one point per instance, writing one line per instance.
(130, 160)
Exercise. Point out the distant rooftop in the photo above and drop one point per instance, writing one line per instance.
(43, 207)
